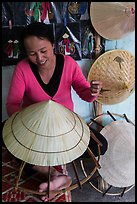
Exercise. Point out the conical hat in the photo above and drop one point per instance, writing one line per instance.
(113, 20)
(118, 163)
(46, 134)
(116, 70)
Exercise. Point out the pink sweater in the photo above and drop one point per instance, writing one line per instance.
(25, 89)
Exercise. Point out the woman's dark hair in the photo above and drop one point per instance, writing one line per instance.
(38, 29)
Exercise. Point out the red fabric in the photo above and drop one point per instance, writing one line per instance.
(67, 42)
(45, 8)
(9, 49)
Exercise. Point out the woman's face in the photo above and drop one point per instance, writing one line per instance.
(39, 51)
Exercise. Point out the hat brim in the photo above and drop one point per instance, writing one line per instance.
(46, 134)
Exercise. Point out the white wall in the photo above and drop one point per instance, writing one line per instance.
(6, 79)
(81, 107)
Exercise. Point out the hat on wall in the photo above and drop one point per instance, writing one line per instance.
(113, 20)
(116, 70)
(46, 134)
(118, 163)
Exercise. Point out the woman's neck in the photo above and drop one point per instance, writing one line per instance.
(47, 73)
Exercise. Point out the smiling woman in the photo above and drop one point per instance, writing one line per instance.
(40, 52)
(45, 75)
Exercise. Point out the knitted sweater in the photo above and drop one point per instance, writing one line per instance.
(26, 90)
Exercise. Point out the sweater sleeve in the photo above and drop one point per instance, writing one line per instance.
(81, 85)
(16, 91)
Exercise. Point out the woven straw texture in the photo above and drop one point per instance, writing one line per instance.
(113, 20)
(46, 134)
(116, 70)
(118, 163)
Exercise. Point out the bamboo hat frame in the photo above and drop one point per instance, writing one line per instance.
(113, 20)
(48, 134)
(116, 70)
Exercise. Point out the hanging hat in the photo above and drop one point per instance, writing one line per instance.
(46, 134)
(116, 70)
(118, 163)
(113, 20)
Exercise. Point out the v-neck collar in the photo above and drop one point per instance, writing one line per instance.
(53, 85)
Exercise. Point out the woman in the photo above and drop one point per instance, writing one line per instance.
(44, 75)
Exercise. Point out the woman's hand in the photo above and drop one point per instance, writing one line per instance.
(95, 87)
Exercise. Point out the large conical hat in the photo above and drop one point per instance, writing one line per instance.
(118, 162)
(116, 70)
(46, 134)
(113, 20)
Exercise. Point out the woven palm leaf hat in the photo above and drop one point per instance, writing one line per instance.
(118, 162)
(116, 70)
(46, 134)
(113, 20)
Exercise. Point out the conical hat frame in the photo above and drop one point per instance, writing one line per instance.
(97, 120)
(46, 134)
(70, 188)
(80, 183)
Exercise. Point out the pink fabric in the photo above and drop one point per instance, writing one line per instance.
(25, 89)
